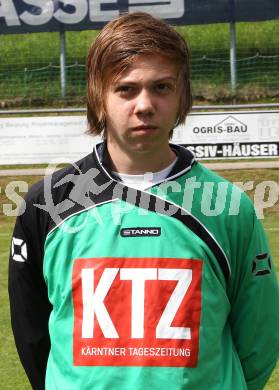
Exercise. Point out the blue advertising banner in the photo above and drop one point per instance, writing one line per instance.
(24, 16)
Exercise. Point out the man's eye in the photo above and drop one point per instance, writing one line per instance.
(163, 87)
(124, 89)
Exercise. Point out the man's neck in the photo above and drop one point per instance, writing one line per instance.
(139, 162)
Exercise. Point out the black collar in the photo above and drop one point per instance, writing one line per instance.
(185, 160)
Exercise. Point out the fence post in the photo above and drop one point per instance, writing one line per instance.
(233, 57)
(63, 63)
(25, 81)
(233, 69)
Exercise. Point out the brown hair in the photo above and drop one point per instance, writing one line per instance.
(114, 49)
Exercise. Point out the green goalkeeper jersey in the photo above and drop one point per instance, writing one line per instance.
(168, 288)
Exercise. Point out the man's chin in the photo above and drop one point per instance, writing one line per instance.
(143, 147)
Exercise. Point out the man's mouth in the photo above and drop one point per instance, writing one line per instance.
(144, 128)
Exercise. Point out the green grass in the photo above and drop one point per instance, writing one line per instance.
(203, 39)
(256, 176)
(258, 78)
(11, 371)
(251, 37)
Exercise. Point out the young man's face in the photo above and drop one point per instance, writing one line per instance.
(142, 105)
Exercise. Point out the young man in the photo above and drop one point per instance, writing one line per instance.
(124, 277)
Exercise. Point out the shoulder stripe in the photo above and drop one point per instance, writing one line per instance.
(79, 212)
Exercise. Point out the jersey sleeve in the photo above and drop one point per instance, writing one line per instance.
(255, 310)
(29, 303)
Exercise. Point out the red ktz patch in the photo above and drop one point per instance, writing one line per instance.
(136, 312)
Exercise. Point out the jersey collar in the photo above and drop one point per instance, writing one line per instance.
(184, 163)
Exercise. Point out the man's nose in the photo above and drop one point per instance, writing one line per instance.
(144, 103)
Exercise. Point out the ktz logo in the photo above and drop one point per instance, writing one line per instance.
(19, 250)
(140, 232)
(261, 265)
(230, 125)
(123, 305)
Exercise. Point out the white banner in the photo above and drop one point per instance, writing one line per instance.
(231, 135)
(35, 140)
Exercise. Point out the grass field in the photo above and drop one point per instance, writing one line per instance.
(12, 374)
(208, 39)
(32, 75)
